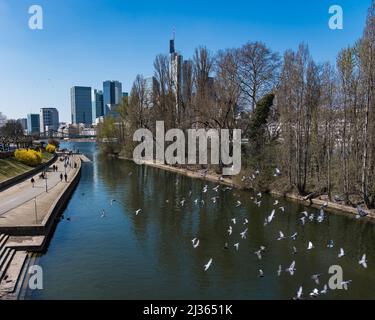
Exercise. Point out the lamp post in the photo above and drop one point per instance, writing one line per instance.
(45, 178)
(36, 211)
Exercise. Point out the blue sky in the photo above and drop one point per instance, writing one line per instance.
(85, 42)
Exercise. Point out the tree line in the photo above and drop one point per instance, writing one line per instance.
(313, 121)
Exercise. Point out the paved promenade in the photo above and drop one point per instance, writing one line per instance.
(25, 205)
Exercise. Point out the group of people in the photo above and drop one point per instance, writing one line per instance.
(55, 168)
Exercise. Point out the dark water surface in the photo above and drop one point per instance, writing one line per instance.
(150, 256)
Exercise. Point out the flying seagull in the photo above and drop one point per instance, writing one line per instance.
(363, 261)
(279, 270)
(316, 278)
(138, 212)
(341, 253)
(208, 265)
(259, 254)
(281, 236)
(292, 268)
(310, 246)
(195, 242)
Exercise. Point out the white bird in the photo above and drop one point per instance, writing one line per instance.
(234, 220)
(325, 290)
(257, 172)
(311, 218)
(236, 245)
(277, 172)
(272, 215)
(258, 203)
(103, 214)
(246, 221)
(282, 209)
(276, 202)
(238, 203)
(291, 268)
(182, 202)
(216, 188)
(279, 271)
(259, 254)
(214, 199)
(205, 189)
(363, 261)
(299, 293)
(303, 220)
(230, 230)
(294, 236)
(243, 234)
(208, 265)
(259, 194)
(263, 248)
(341, 253)
(261, 273)
(305, 213)
(294, 250)
(112, 201)
(344, 284)
(138, 211)
(281, 236)
(316, 278)
(314, 293)
(196, 201)
(195, 242)
(310, 246)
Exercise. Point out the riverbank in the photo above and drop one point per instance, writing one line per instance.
(213, 177)
(28, 218)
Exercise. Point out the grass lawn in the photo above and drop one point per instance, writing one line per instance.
(10, 167)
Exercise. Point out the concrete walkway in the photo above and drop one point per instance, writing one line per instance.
(23, 205)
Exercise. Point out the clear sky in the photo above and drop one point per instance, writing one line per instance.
(85, 42)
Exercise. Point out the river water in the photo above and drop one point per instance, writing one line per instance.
(150, 255)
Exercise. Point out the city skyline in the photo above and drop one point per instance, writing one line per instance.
(47, 63)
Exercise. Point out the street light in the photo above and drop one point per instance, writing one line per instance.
(45, 178)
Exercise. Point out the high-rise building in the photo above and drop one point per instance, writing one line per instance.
(112, 95)
(33, 124)
(176, 67)
(49, 120)
(97, 104)
(23, 122)
(151, 88)
(81, 105)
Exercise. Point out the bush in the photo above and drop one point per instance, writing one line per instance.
(29, 157)
(54, 142)
(51, 148)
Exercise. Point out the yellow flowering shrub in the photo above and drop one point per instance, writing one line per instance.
(51, 148)
(29, 157)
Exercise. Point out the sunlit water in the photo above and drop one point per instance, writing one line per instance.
(150, 256)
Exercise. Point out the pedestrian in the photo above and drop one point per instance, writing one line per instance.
(32, 182)
(66, 177)
(61, 177)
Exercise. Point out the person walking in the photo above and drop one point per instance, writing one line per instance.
(32, 182)
(66, 177)
(61, 177)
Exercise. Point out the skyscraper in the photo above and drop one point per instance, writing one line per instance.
(151, 87)
(33, 124)
(81, 105)
(49, 120)
(97, 104)
(176, 67)
(112, 95)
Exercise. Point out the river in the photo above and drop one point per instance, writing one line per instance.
(150, 255)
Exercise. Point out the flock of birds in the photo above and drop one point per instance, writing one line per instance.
(305, 217)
